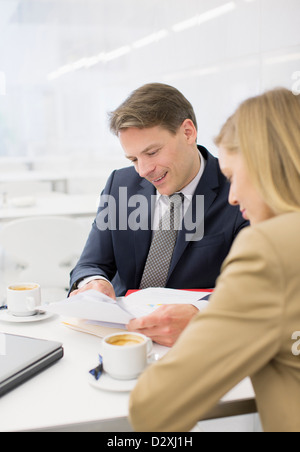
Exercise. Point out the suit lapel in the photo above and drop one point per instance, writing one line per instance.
(207, 187)
(143, 237)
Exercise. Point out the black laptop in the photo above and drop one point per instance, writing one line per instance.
(23, 357)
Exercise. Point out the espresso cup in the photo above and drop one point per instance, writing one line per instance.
(23, 299)
(125, 355)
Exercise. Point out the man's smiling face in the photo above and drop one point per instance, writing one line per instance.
(170, 162)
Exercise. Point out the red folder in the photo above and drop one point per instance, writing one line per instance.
(189, 290)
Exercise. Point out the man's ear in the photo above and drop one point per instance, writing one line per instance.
(189, 131)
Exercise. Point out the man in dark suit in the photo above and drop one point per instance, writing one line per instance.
(126, 248)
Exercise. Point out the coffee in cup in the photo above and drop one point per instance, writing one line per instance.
(125, 355)
(125, 340)
(23, 299)
(24, 287)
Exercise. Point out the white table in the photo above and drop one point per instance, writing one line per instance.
(56, 177)
(61, 398)
(53, 204)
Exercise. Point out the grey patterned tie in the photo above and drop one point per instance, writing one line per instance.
(161, 250)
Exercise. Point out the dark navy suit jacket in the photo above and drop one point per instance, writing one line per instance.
(120, 255)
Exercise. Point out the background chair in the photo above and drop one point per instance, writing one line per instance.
(42, 250)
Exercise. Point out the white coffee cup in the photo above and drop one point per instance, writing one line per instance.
(23, 299)
(125, 355)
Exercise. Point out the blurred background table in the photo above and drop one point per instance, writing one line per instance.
(53, 203)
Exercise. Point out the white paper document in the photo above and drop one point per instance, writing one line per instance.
(97, 307)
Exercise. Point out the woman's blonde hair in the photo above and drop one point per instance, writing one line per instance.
(266, 129)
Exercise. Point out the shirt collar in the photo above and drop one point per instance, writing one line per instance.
(190, 189)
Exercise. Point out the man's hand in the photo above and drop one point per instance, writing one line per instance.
(97, 284)
(165, 324)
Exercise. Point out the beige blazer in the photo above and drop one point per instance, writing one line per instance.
(247, 330)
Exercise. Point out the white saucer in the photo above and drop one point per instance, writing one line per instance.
(5, 316)
(107, 383)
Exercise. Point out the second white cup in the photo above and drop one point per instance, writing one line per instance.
(125, 355)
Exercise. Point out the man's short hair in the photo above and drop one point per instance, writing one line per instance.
(154, 104)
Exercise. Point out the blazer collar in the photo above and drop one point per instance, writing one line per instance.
(143, 238)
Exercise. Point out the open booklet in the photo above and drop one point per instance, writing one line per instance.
(95, 309)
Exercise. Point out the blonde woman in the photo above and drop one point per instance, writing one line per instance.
(253, 321)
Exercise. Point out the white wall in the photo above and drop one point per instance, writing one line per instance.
(230, 54)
